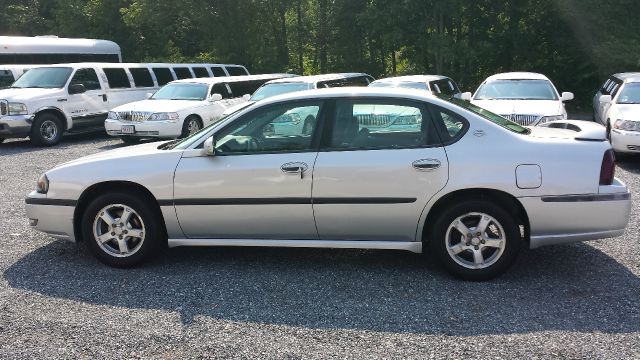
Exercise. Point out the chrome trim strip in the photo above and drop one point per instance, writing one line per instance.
(288, 201)
(415, 247)
(55, 202)
(584, 198)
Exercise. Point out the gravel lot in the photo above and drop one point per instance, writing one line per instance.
(56, 301)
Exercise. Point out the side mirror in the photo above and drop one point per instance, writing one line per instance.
(605, 99)
(148, 95)
(246, 97)
(567, 96)
(210, 146)
(215, 97)
(77, 89)
(466, 96)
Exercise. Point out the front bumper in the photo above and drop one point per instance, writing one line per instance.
(54, 220)
(159, 129)
(15, 126)
(565, 219)
(625, 141)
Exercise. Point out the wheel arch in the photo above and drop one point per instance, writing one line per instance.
(101, 188)
(506, 200)
(56, 112)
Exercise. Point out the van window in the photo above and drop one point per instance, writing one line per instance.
(163, 75)
(182, 73)
(358, 81)
(218, 71)
(236, 71)
(444, 86)
(117, 78)
(221, 89)
(142, 77)
(86, 77)
(6, 78)
(200, 72)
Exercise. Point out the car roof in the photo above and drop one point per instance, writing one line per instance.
(310, 79)
(413, 78)
(226, 79)
(628, 76)
(517, 76)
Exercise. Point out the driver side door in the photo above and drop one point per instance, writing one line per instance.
(90, 108)
(258, 183)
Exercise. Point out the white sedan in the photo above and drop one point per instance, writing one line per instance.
(454, 179)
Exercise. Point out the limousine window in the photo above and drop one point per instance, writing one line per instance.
(163, 75)
(6, 78)
(221, 89)
(200, 72)
(56, 58)
(86, 77)
(117, 78)
(182, 73)
(236, 71)
(277, 89)
(48, 77)
(142, 77)
(218, 71)
(240, 88)
(182, 91)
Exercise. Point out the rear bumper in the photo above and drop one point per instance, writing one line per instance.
(565, 219)
(15, 126)
(53, 220)
(158, 129)
(625, 141)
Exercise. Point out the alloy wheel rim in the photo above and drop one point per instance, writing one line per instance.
(475, 240)
(119, 230)
(48, 130)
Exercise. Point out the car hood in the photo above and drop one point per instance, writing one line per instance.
(26, 94)
(629, 111)
(119, 153)
(155, 106)
(524, 107)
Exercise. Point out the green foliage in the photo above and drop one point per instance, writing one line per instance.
(575, 42)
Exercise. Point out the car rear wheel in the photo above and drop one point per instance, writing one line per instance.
(191, 126)
(46, 130)
(475, 240)
(120, 229)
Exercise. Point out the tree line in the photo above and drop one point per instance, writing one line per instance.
(577, 43)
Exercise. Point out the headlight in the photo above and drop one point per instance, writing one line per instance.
(164, 117)
(627, 125)
(113, 115)
(546, 119)
(43, 184)
(17, 109)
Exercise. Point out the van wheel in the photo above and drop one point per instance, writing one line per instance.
(130, 140)
(191, 126)
(475, 240)
(46, 130)
(121, 230)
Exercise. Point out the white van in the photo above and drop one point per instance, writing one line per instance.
(49, 100)
(434, 84)
(10, 73)
(182, 107)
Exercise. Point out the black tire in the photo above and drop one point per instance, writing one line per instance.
(144, 217)
(190, 123)
(46, 130)
(130, 140)
(309, 123)
(438, 241)
(608, 125)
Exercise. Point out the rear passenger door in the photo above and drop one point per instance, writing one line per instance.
(380, 162)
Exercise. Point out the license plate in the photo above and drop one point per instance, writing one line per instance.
(128, 129)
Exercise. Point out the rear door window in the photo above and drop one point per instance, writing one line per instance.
(221, 88)
(141, 77)
(117, 78)
(163, 75)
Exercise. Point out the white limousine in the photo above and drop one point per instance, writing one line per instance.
(182, 107)
(463, 183)
(47, 101)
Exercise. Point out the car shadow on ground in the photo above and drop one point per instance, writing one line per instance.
(629, 162)
(571, 287)
(15, 146)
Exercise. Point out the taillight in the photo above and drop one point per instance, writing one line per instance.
(608, 168)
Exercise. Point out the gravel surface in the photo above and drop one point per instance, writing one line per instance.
(56, 301)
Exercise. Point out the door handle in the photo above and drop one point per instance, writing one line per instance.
(426, 164)
(104, 97)
(294, 168)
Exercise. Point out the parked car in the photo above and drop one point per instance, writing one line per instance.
(617, 106)
(463, 183)
(436, 84)
(10, 73)
(182, 107)
(528, 99)
(49, 100)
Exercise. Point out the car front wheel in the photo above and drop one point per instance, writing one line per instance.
(476, 240)
(120, 229)
(46, 130)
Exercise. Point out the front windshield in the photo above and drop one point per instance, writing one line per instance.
(46, 78)
(400, 84)
(269, 90)
(496, 119)
(630, 94)
(517, 90)
(182, 91)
